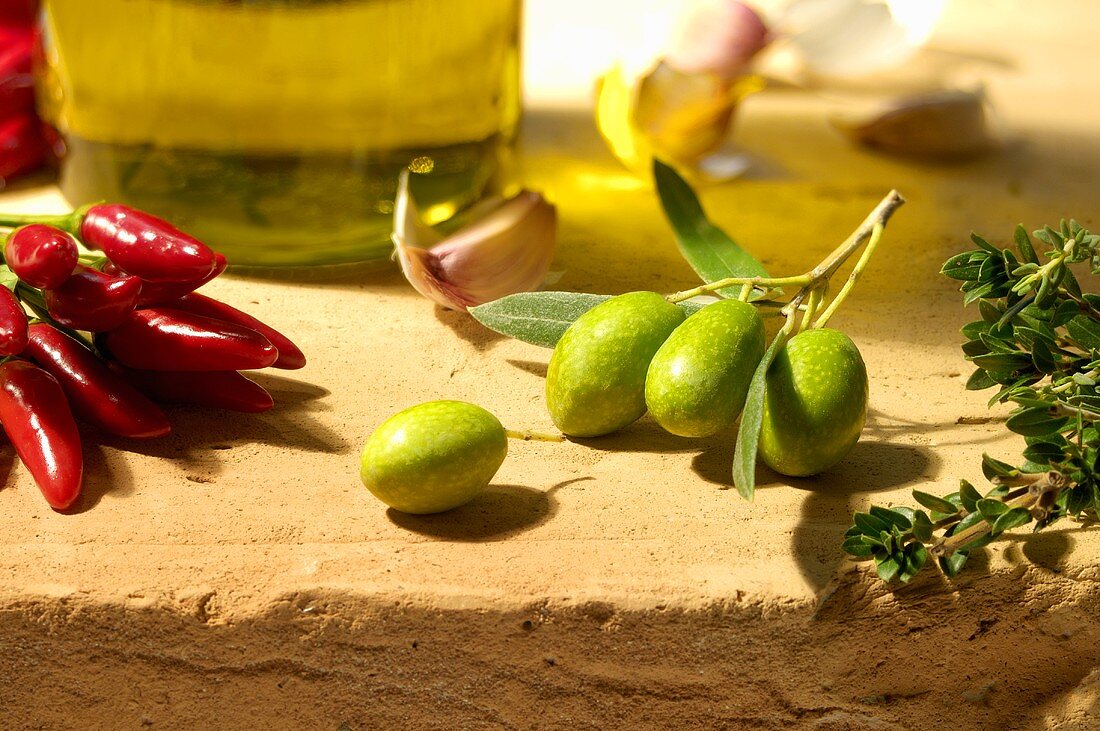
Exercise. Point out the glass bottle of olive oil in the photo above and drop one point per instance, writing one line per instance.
(276, 129)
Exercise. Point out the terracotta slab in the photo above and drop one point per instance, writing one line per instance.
(237, 575)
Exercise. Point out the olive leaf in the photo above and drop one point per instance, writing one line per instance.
(541, 318)
(709, 250)
(748, 434)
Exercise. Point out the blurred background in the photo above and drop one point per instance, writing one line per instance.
(277, 129)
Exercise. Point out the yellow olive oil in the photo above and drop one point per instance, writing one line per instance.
(275, 129)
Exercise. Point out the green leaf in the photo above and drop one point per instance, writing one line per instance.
(1013, 518)
(979, 381)
(972, 330)
(922, 526)
(869, 524)
(856, 546)
(710, 252)
(991, 509)
(915, 557)
(969, 495)
(541, 318)
(998, 345)
(1023, 243)
(995, 468)
(933, 502)
(1029, 336)
(983, 244)
(972, 348)
(893, 517)
(1042, 358)
(1002, 362)
(963, 267)
(1085, 331)
(8, 278)
(888, 568)
(752, 417)
(1044, 452)
(951, 565)
(976, 293)
(989, 311)
(970, 520)
(1036, 422)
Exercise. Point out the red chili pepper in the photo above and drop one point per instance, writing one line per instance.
(93, 301)
(22, 148)
(213, 389)
(98, 395)
(290, 356)
(144, 245)
(162, 339)
(159, 293)
(13, 324)
(37, 419)
(16, 80)
(18, 12)
(40, 255)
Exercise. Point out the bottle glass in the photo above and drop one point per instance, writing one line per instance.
(276, 129)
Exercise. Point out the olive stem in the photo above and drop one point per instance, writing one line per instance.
(876, 235)
(534, 436)
(766, 282)
(816, 295)
(879, 216)
(868, 232)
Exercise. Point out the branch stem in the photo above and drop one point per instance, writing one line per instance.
(533, 436)
(876, 235)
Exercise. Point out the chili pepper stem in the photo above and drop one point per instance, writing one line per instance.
(533, 436)
(69, 222)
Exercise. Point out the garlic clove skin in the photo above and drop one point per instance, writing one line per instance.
(719, 38)
(507, 250)
(943, 125)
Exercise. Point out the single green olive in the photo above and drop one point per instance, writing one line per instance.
(815, 405)
(433, 457)
(595, 383)
(698, 380)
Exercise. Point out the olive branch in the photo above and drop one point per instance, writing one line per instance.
(1038, 343)
(728, 271)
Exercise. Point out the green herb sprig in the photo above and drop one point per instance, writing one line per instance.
(1038, 344)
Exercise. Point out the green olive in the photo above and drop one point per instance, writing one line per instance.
(596, 380)
(698, 380)
(433, 457)
(815, 405)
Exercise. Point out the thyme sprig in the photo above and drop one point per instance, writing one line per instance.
(1038, 344)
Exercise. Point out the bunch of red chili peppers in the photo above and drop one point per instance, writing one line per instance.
(116, 326)
(23, 137)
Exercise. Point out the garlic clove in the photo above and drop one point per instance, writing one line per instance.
(717, 37)
(507, 249)
(946, 125)
(669, 114)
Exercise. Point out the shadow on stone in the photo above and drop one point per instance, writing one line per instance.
(534, 367)
(7, 464)
(832, 497)
(101, 476)
(468, 329)
(646, 435)
(1045, 549)
(201, 437)
(501, 512)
